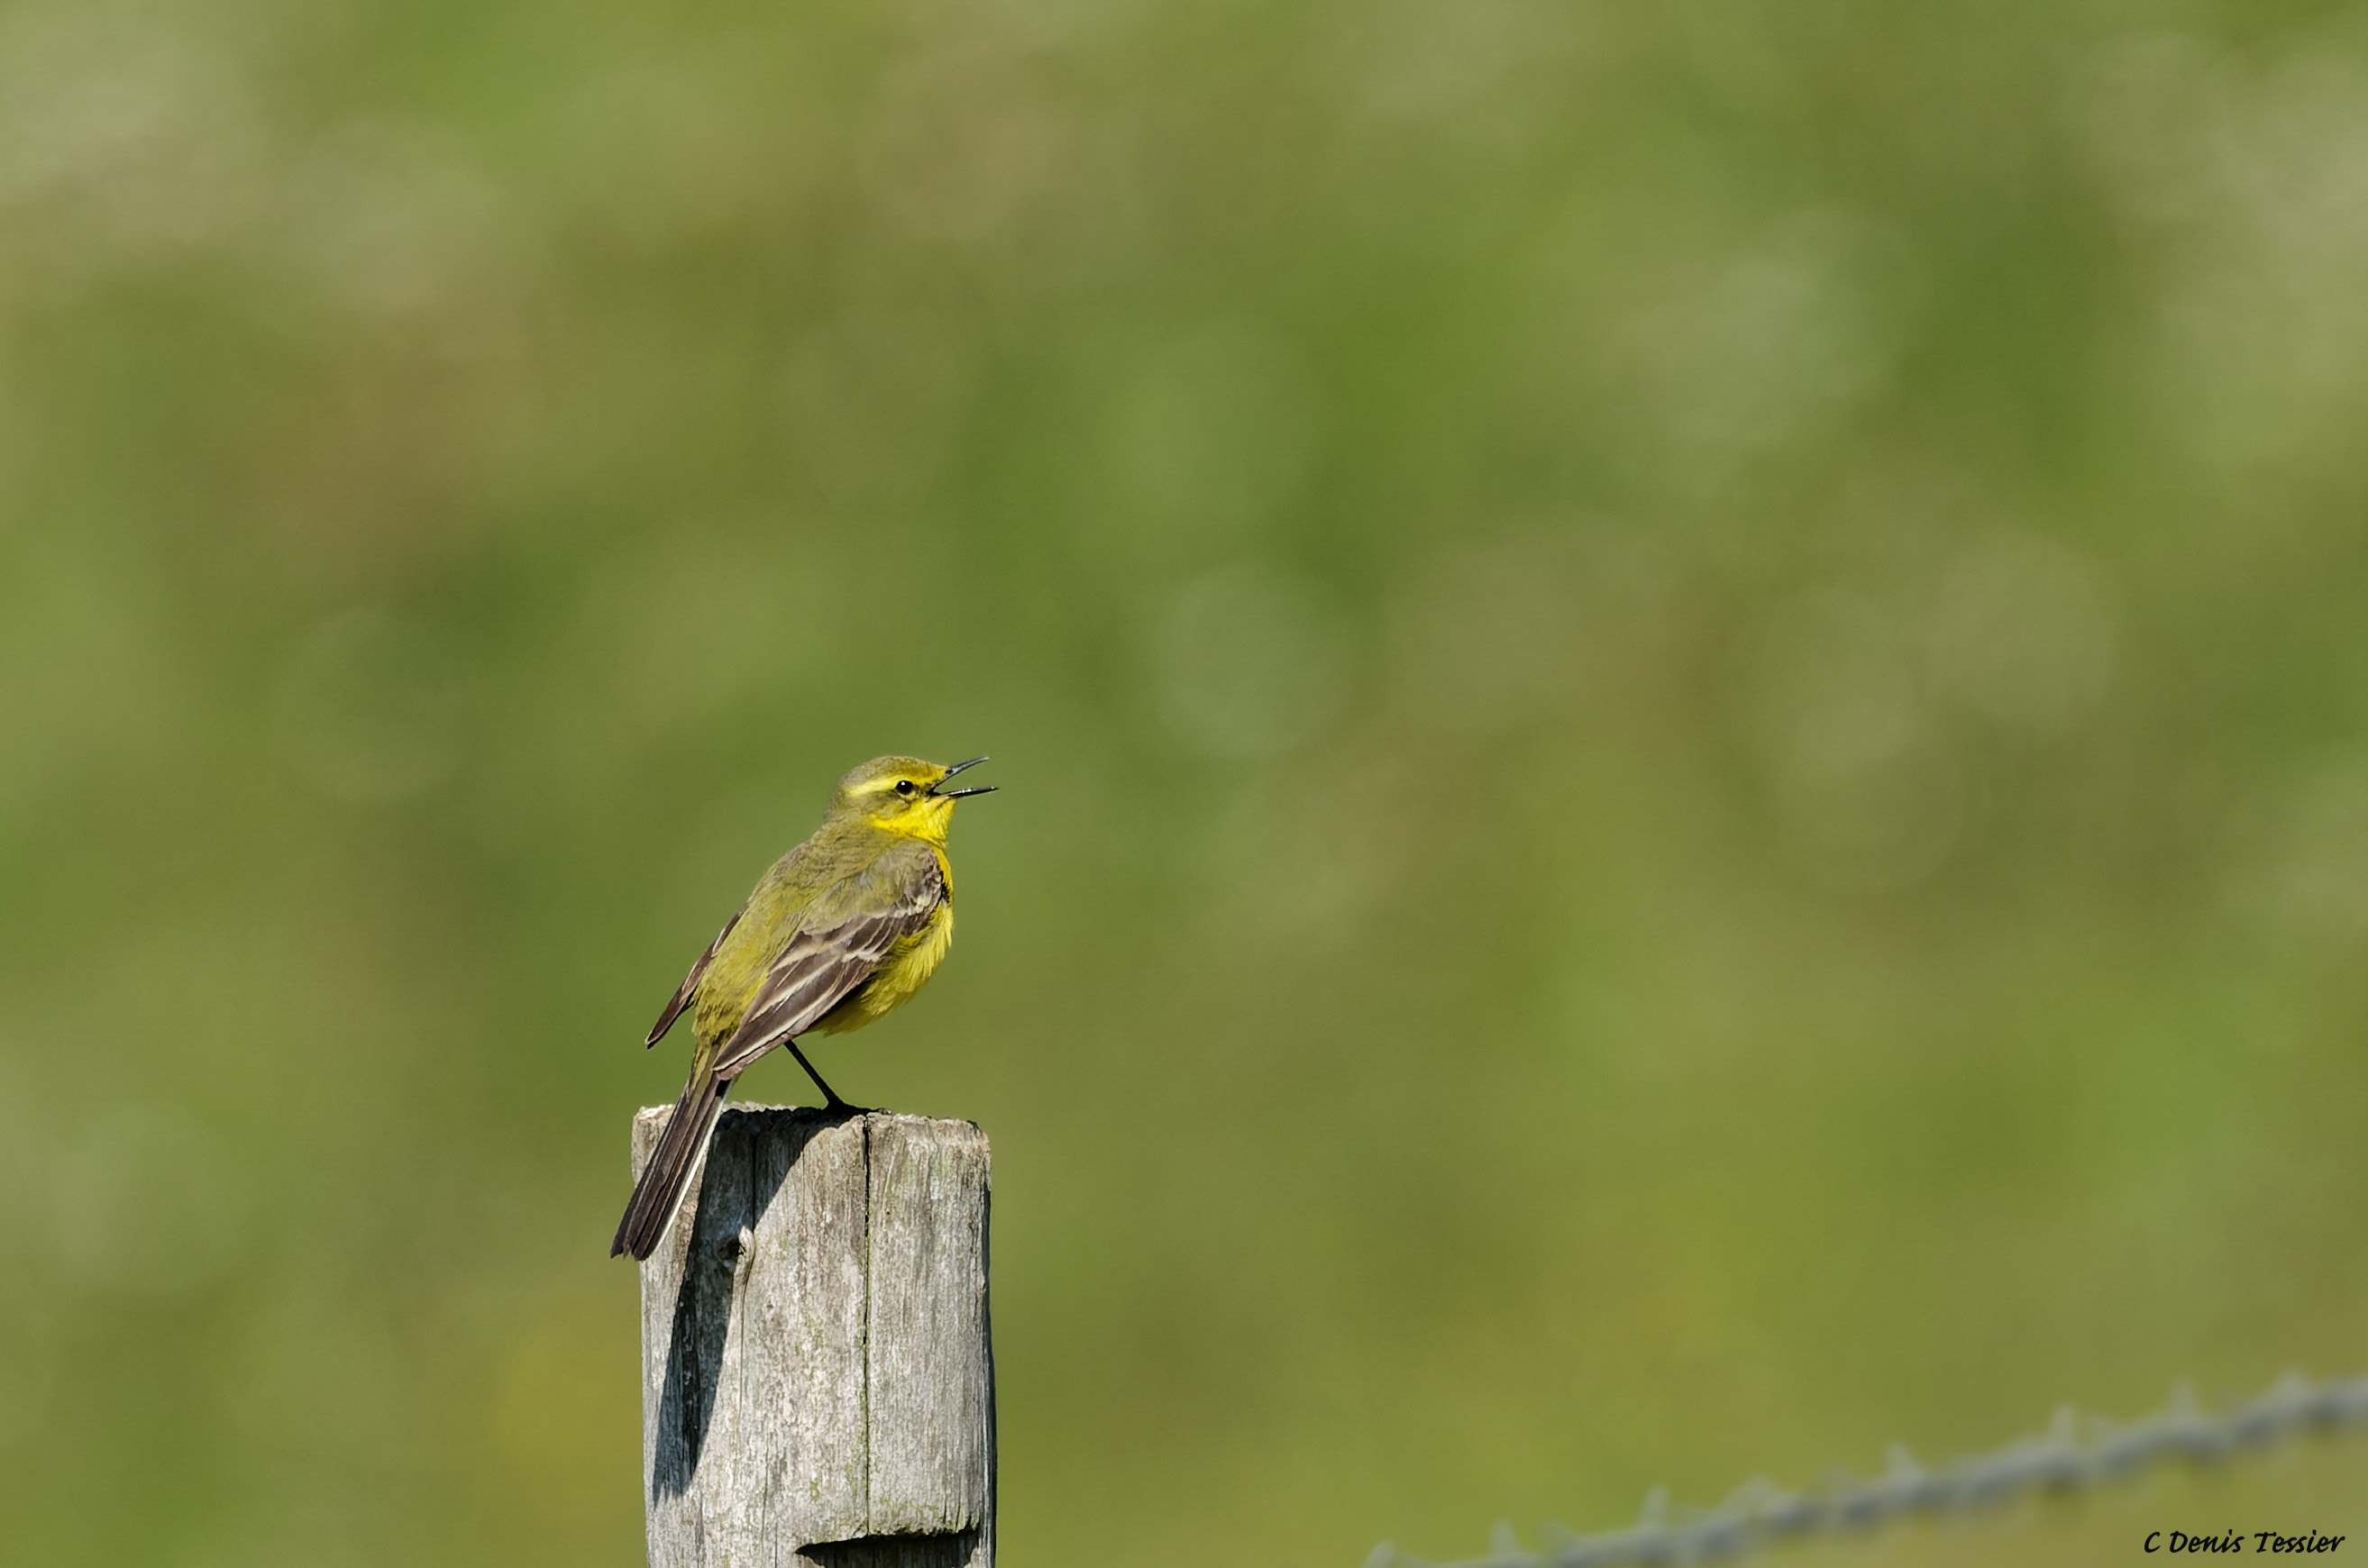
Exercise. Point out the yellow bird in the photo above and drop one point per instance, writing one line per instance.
(842, 931)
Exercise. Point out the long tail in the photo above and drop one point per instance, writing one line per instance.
(659, 1192)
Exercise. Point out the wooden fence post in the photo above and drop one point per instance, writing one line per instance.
(817, 1371)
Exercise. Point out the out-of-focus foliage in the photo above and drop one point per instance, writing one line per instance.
(1680, 692)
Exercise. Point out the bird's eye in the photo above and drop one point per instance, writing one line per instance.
(903, 786)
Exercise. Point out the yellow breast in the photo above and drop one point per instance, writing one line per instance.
(910, 964)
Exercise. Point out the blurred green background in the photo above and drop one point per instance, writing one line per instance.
(1680, 696)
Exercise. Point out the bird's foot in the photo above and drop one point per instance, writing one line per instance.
(840, 1111)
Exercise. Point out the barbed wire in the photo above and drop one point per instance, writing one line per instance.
(1760, 1514)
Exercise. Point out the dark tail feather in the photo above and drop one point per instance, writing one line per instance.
(659, 1192)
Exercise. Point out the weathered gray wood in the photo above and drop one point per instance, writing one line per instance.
(817, 1375)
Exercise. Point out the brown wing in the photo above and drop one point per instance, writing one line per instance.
(691, 981)
(857, 924)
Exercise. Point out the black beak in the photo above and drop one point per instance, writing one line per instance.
(939, 790)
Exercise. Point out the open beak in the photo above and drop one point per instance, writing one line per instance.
(941, 792)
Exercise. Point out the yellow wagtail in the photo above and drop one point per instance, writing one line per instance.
(842, 931)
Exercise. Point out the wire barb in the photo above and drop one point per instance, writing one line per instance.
(1760, 1513)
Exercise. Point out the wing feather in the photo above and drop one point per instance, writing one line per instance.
(893, 899)
(691, 981)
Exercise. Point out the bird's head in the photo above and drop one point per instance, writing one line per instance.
(904, 795)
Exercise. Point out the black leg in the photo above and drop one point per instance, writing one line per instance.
(835, 1105)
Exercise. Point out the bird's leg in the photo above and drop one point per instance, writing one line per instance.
(835, 1105)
